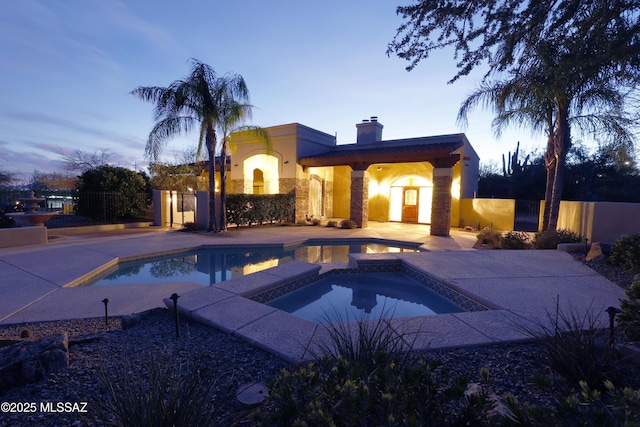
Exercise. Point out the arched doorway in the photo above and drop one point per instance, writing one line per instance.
(411, 199)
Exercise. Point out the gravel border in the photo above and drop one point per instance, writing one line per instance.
(232, 362)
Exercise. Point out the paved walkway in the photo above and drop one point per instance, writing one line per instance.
(36, 283)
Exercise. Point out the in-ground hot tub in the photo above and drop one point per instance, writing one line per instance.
(364, 295)
(374, 286)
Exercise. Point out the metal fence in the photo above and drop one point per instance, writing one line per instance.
(527, 215)
(82, 209)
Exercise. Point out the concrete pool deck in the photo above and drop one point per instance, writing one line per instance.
(523, 286)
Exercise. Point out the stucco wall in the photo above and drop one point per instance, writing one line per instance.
(163, 206)
(382, 176)
(341, 191)
(599, 221)
(22, 236)
(496, 213)
(469, 170)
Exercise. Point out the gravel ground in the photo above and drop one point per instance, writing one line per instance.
(150, 340)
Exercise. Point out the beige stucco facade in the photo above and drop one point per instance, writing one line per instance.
(373, 180)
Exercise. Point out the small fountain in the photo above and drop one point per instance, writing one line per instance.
(31, 215)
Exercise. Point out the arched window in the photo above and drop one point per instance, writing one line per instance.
(258, 181)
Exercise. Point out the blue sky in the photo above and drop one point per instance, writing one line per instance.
(67, 66)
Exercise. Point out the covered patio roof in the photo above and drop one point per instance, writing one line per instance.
(438, 150)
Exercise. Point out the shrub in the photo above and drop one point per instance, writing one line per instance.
(615, 406)
(366, 374)
(170, 393)
(550, 239)
(339, 393)
(489, 237)
(629, 318)
(247, 209)
(332, 223)
(315, 221)
(514, 240)
(625, 252)
(372, 342)
(587, 406)
(110, 192)
(348, 224)
(190, 226)
(576, 350)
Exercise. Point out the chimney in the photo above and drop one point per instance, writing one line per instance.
(369, 131)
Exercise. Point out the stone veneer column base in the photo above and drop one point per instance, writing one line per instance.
(302, 199)
(287, 185)
(441, 202)
(359, 206)
(237, 186)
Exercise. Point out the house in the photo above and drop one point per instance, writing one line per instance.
(416, 180)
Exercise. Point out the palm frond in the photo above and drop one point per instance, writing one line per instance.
(257, 133)
(164, 130)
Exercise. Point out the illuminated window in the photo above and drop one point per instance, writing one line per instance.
(411, 197)
(258, 182)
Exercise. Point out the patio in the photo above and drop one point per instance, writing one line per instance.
(37, 283)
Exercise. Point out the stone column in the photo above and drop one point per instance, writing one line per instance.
(302, 199)
(287, 185)
(441, 201)
(359, 206)
(328, 197)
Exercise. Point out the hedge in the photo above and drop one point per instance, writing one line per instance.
(248, 209)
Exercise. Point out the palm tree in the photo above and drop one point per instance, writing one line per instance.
(231, 122)
(517, 102)
(546, 98)
(202, 101)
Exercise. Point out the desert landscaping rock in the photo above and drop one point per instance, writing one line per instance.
(29, 360)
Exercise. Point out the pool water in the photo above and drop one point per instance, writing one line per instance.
(211, 266)
(364, 296)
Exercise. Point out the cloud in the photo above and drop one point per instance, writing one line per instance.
(119, 14)
(127, 141)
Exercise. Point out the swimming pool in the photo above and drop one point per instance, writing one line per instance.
(209, 266)
(364, 295)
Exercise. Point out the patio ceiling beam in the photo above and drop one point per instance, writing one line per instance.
(361, 158)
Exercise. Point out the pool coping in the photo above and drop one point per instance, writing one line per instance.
(527, 284)
(85, 279)
(237, 306)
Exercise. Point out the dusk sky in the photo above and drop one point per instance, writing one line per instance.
(67, 67)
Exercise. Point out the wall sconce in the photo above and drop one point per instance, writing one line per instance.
(286, 162)
(235, 166)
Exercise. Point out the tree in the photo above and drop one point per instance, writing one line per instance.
(605, 174)
(42, 183)
(81, 161)
(122, 192)
(183, 174)
(204, 101)
(5, 177)
(181, 177)
(233, 115)
(545, 98)
(501, 33)
(562, 57)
